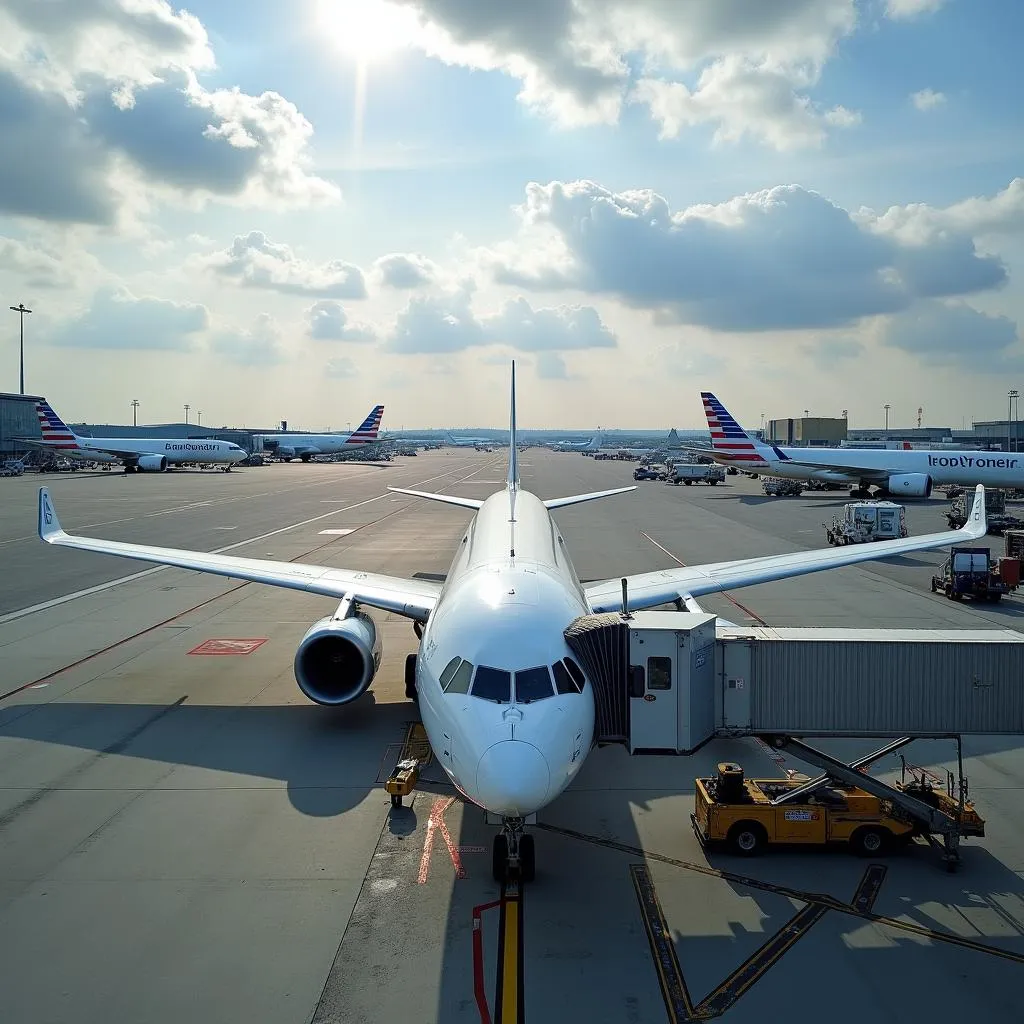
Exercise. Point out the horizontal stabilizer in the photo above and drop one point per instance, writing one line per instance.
(447, 499)
(578, 499)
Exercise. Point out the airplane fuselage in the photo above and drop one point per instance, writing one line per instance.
(295, 446)
(944, 466)
(176, 450)
(511, 592)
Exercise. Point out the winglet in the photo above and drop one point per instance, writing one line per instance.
(512, 481)
(49, 524)
(977, 522)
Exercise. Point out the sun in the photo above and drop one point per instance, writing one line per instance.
(368, 30)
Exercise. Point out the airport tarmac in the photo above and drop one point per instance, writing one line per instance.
(185, 836)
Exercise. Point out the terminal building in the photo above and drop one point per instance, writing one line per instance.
(808, 431)
(17, 419)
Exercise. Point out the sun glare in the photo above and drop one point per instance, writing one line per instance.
(368, 30)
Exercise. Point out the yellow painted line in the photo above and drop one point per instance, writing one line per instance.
(510, 965)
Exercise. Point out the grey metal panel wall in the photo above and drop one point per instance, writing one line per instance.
(803, 686)
(17, 419)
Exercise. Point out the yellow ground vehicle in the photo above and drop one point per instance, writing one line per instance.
(746, 815)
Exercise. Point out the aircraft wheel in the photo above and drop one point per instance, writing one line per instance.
(499, 859)
(410, 676)
(527, 859)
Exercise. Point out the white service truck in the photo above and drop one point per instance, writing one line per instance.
(865, 521)
(695, 473)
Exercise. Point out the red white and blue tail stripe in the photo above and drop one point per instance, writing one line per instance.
(728, 439)
(56, 433)
(368, 429)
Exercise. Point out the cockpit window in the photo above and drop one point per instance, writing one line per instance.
(565, 682)
(533, 684)
(577, 674)
(493, 684)
(456, 676)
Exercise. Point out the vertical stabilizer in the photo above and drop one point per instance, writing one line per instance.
(512, 481)
(55, 432)
(729, 441)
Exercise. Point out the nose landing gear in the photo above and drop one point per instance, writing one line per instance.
(512, 856)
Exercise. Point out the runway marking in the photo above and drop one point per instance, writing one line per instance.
(436, 823)
(228, 646)
(742, 607)
(823, 899)
(509, 1005)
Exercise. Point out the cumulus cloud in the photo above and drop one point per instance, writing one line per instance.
(404, 270)
(117, 319)
(904, 9)
(101, 100)
(258, 345)
(447, 323)
(254, 261)
(927, 99)
(327, 321)
(954, 333)
(576, 60)
(782, 258)
(35, 267)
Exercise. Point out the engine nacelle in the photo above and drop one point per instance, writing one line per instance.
(151, 463)
(337, 659)
(911, 485)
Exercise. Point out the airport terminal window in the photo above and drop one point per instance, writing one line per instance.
(659, 673)
(459, 682)
(564, 682)
(493, 684)
(533, 684)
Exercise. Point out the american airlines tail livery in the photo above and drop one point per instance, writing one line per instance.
(911, 473)
(304, 446)
(508, 709)
(138, 454)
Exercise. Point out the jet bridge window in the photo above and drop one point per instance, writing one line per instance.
(533, 684)
(493, 684)
(456, 676)
(659, 673)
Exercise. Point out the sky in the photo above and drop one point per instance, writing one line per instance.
(296, 211)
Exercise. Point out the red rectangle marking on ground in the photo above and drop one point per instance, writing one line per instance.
(228, 646)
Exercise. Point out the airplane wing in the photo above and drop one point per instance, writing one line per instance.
(577, 499)
(414, 599)
(648, 589)
(856, 473)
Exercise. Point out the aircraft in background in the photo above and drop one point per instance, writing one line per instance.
(136, 454)
(507, 708)
(469, 442)
(894, 471)
(593, 445)
(287, 447)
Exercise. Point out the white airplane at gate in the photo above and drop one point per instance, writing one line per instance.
(907, 472)
(507, 708)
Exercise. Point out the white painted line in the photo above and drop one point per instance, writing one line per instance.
(58, 601)
(336, 533)
(180, 508)
(225, 527)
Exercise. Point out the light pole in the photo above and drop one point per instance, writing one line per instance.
(21, 310)
(887, 407)
(199, 418)
(186, 412)
(1011, 395)
(135, 412)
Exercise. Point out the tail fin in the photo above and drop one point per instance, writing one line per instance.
(367, 431)
(729, 441)
(512, 480)
(56, 433)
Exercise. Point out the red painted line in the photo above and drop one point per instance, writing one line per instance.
(453, 850)
(479, 988)
(428, 842)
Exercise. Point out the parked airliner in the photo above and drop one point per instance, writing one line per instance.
(304, 446)
(508, 710)
(137, 454)
(894, 471)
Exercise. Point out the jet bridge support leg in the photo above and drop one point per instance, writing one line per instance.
(932, 820)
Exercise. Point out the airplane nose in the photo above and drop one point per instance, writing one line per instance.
(513, 778)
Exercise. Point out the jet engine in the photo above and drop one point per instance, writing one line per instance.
(911, 485)
(151, 464)
(338, 658)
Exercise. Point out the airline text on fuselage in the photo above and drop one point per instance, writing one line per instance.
(191, 447)
(972, 462)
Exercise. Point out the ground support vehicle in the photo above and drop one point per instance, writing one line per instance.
(969, 572)
(824, 485)
(865, 521)
(694, 473)
(747, 816)
(998, 519)
(645, 473)
(777, 486)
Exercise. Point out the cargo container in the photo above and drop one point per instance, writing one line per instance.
(1014, 543)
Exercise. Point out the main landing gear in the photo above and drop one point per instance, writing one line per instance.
(513, 857)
